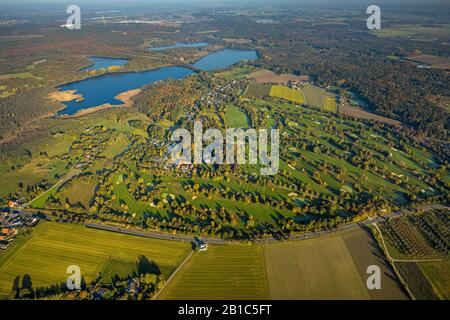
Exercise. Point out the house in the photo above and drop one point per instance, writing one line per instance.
(202, 246)
(3, 245)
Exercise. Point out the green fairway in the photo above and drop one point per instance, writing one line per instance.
(53, 247)
(222, 272)
(287, 94)
(235, 118)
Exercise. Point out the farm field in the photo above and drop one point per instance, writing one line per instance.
(360, 113)
(329, 104)
(410, 30)
(314, 96)
(222, 272)
(257, 90)
(433, 61)
(417, 283)
(81, 191)
(416, 237)
(235, 118)
(410, 237)
(287, 94)
(267, 76)
(52, 247)
(335, 269)
(438, 274)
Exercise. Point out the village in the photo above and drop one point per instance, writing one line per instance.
(11, 225)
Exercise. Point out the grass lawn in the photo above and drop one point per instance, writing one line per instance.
(116, 146)
(235, 118)
(53, 247)
(222, 272)
(287, 94)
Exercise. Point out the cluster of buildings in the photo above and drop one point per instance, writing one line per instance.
(10, 224)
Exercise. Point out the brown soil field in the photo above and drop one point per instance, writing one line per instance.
(357, 112)
(267, 76)
(434, 61)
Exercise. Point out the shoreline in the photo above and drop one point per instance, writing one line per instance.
(125, 97)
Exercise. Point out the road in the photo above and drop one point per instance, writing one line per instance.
(303, 236)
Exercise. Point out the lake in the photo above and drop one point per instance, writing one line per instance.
(103, 89)
(102, 62)
(224, 58)
(180, 45)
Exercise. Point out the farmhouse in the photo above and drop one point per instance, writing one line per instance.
(202, 246)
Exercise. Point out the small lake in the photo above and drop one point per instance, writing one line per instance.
(101, 62)
(103, 89)
(180, 45)
(224, 58)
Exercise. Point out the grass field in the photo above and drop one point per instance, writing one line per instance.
(82, 192)
(316, 269)
(329, 267)
(222, 272)
(314, 96)
(124, 197)
(257, 90)
(235, 118)
(287, 94)
(22, 75)
(409, 30)
(52, 247)
(329, 104)
(438, 274)
(116, 146)
(418, 284)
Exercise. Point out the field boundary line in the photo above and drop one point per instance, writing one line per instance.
(392, 263)
(173, 275)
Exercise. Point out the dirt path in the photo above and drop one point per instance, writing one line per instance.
(173, 275)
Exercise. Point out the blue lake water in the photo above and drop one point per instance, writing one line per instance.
(101, 62)
(104, 88)
(180, 45)
(224, 58)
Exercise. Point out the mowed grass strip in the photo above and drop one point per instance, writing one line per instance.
(222, 272)
(287, 94)
(53, 247)
(313, 269)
